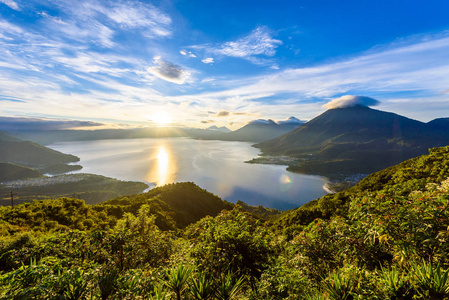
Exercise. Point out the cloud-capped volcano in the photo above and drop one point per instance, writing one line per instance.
(357, 139)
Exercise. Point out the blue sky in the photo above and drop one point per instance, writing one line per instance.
(224, 63)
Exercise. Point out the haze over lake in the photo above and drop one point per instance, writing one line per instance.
(217, 166)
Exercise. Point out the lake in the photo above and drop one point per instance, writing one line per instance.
(217, 166)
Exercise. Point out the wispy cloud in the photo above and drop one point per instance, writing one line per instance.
(258, 42)
(419, 66)
(21, 123)
(255, 47)
(98, 22)
(11, 4)
(139, 15)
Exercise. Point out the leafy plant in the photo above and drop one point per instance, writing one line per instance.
(228, 286)
(338, 287)
(177, 279)
(158, 293)
(395, 284)
(433, 282)
(107, 282)
(202, 287)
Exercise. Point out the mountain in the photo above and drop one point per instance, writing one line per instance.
(441, 125)
(356, 139)
(221, 129)
(261, 130)
(24, 153)
(291, 123)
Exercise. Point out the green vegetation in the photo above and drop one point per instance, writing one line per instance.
(385, 238)
(395, 181)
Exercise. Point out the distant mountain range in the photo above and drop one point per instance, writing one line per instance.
(221, 129)
(357, 139)
(255, 131)
(259, 130)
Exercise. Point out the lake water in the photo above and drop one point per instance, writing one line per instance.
(217, 166)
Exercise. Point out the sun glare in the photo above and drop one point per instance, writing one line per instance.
(163, 168)
(161, 118)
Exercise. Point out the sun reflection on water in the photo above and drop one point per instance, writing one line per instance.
(164, 168)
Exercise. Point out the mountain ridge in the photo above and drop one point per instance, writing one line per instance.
(355, 139)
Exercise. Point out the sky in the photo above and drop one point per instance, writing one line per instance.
(224, 63)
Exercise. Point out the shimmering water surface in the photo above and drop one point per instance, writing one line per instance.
(217, 166)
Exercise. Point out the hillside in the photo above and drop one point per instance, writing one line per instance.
(396, 181)
(385, 238)
(355, 140)
(30, 154)
(13, 172)
(174, 206)
(184, 202)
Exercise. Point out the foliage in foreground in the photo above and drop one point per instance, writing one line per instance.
(390, 243)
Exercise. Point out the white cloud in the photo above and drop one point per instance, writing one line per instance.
(208, 60)
(138, 14)
(11, 4)
(169, 71)
(207, 79)
(350, 101)
(422, 66)
(87, 21)
(187, 53)
(9, 28)
(254, 47)
(258, 42)
(52, 18)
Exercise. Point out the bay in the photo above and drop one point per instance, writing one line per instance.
(217, 166)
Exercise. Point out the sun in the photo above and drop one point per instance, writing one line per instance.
(161, 118)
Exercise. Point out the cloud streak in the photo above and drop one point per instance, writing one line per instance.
(420, 66)
(17, 123)
(11, 4)
(255, 47)
(258, 42)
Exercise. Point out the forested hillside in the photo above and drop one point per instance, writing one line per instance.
(385, 238)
